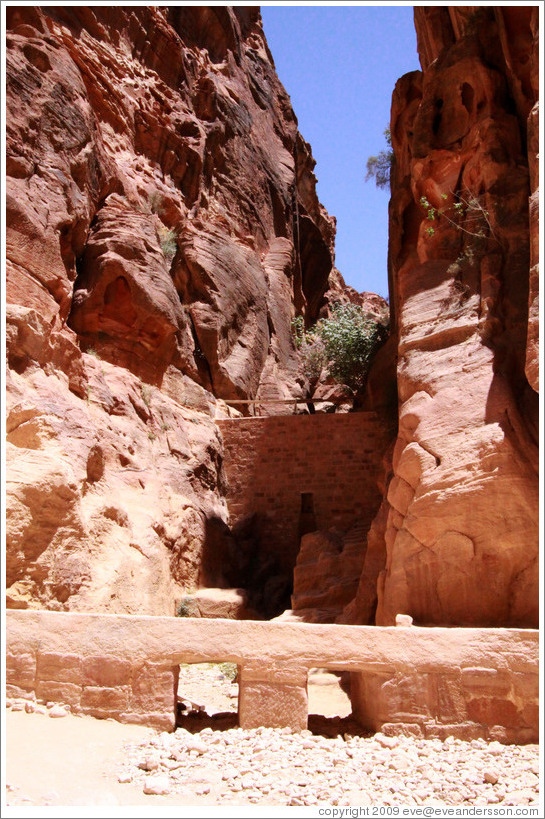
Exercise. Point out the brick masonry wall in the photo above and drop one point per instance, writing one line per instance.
(270, 462)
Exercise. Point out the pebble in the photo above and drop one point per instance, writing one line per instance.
(270, 766)
(18, 705)
(149, 764)
(300, 770)
(57, 711)
(197, 745)
(38, 709)
(386, 742)
(157, 785)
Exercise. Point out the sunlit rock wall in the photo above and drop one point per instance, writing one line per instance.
(461, 533)
(162, 231)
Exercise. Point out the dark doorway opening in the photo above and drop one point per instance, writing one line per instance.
(307, 516)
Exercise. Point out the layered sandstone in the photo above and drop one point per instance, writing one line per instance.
(162, 230)
(461, 532)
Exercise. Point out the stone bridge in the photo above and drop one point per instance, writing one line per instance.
(466, 682)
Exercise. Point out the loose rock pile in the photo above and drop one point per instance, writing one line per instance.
(33, 706)
(270, 766)
(277, 767)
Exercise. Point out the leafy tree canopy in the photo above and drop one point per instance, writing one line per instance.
(345, 341)
(379, 167)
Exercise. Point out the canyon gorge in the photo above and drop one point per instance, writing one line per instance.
(163, 230)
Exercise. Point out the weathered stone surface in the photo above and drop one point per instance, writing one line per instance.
(361, 609)
(105, 671)
(273, 697)
(231, 604)
(21, 670)
(474, 682)
(187, 174)
(461, 536)
(112, 498)
(124, 293)
(162, 230)
(326, 575)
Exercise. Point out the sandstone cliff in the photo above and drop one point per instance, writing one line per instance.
(460, 527)
(162, 231)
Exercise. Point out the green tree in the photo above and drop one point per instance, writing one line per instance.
(379, 167)
(346, 341)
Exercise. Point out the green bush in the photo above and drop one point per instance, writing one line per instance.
(229, 670)
(168, 243)
(346, 341)
(185, 608)
(156, 202)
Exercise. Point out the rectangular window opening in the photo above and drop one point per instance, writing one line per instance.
(329, 705)
(207, 696)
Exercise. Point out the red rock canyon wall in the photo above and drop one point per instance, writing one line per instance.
(461, 532)
(162, 230)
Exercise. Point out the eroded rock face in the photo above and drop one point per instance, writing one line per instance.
(162, 230)
(114, 495)
(325, 578)
(461, 536)
(161, 200)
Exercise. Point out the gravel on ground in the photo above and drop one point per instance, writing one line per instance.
(56, 758)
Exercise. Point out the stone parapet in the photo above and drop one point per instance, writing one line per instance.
(274, 695)
(466, 682)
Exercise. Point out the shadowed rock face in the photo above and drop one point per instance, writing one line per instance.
(162, 230)
(461, 536)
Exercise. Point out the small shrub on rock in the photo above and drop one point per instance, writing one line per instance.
(185, 608)
(168, 243)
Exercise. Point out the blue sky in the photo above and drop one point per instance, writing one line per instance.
(339, 64)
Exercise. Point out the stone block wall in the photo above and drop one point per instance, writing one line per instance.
(428, 682)
(97, 685)
(272, 462)
(468, 702)
(275, 696)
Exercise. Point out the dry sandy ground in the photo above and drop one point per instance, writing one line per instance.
(74, 761)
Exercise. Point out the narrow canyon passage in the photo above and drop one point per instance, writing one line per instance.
(218, 533)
